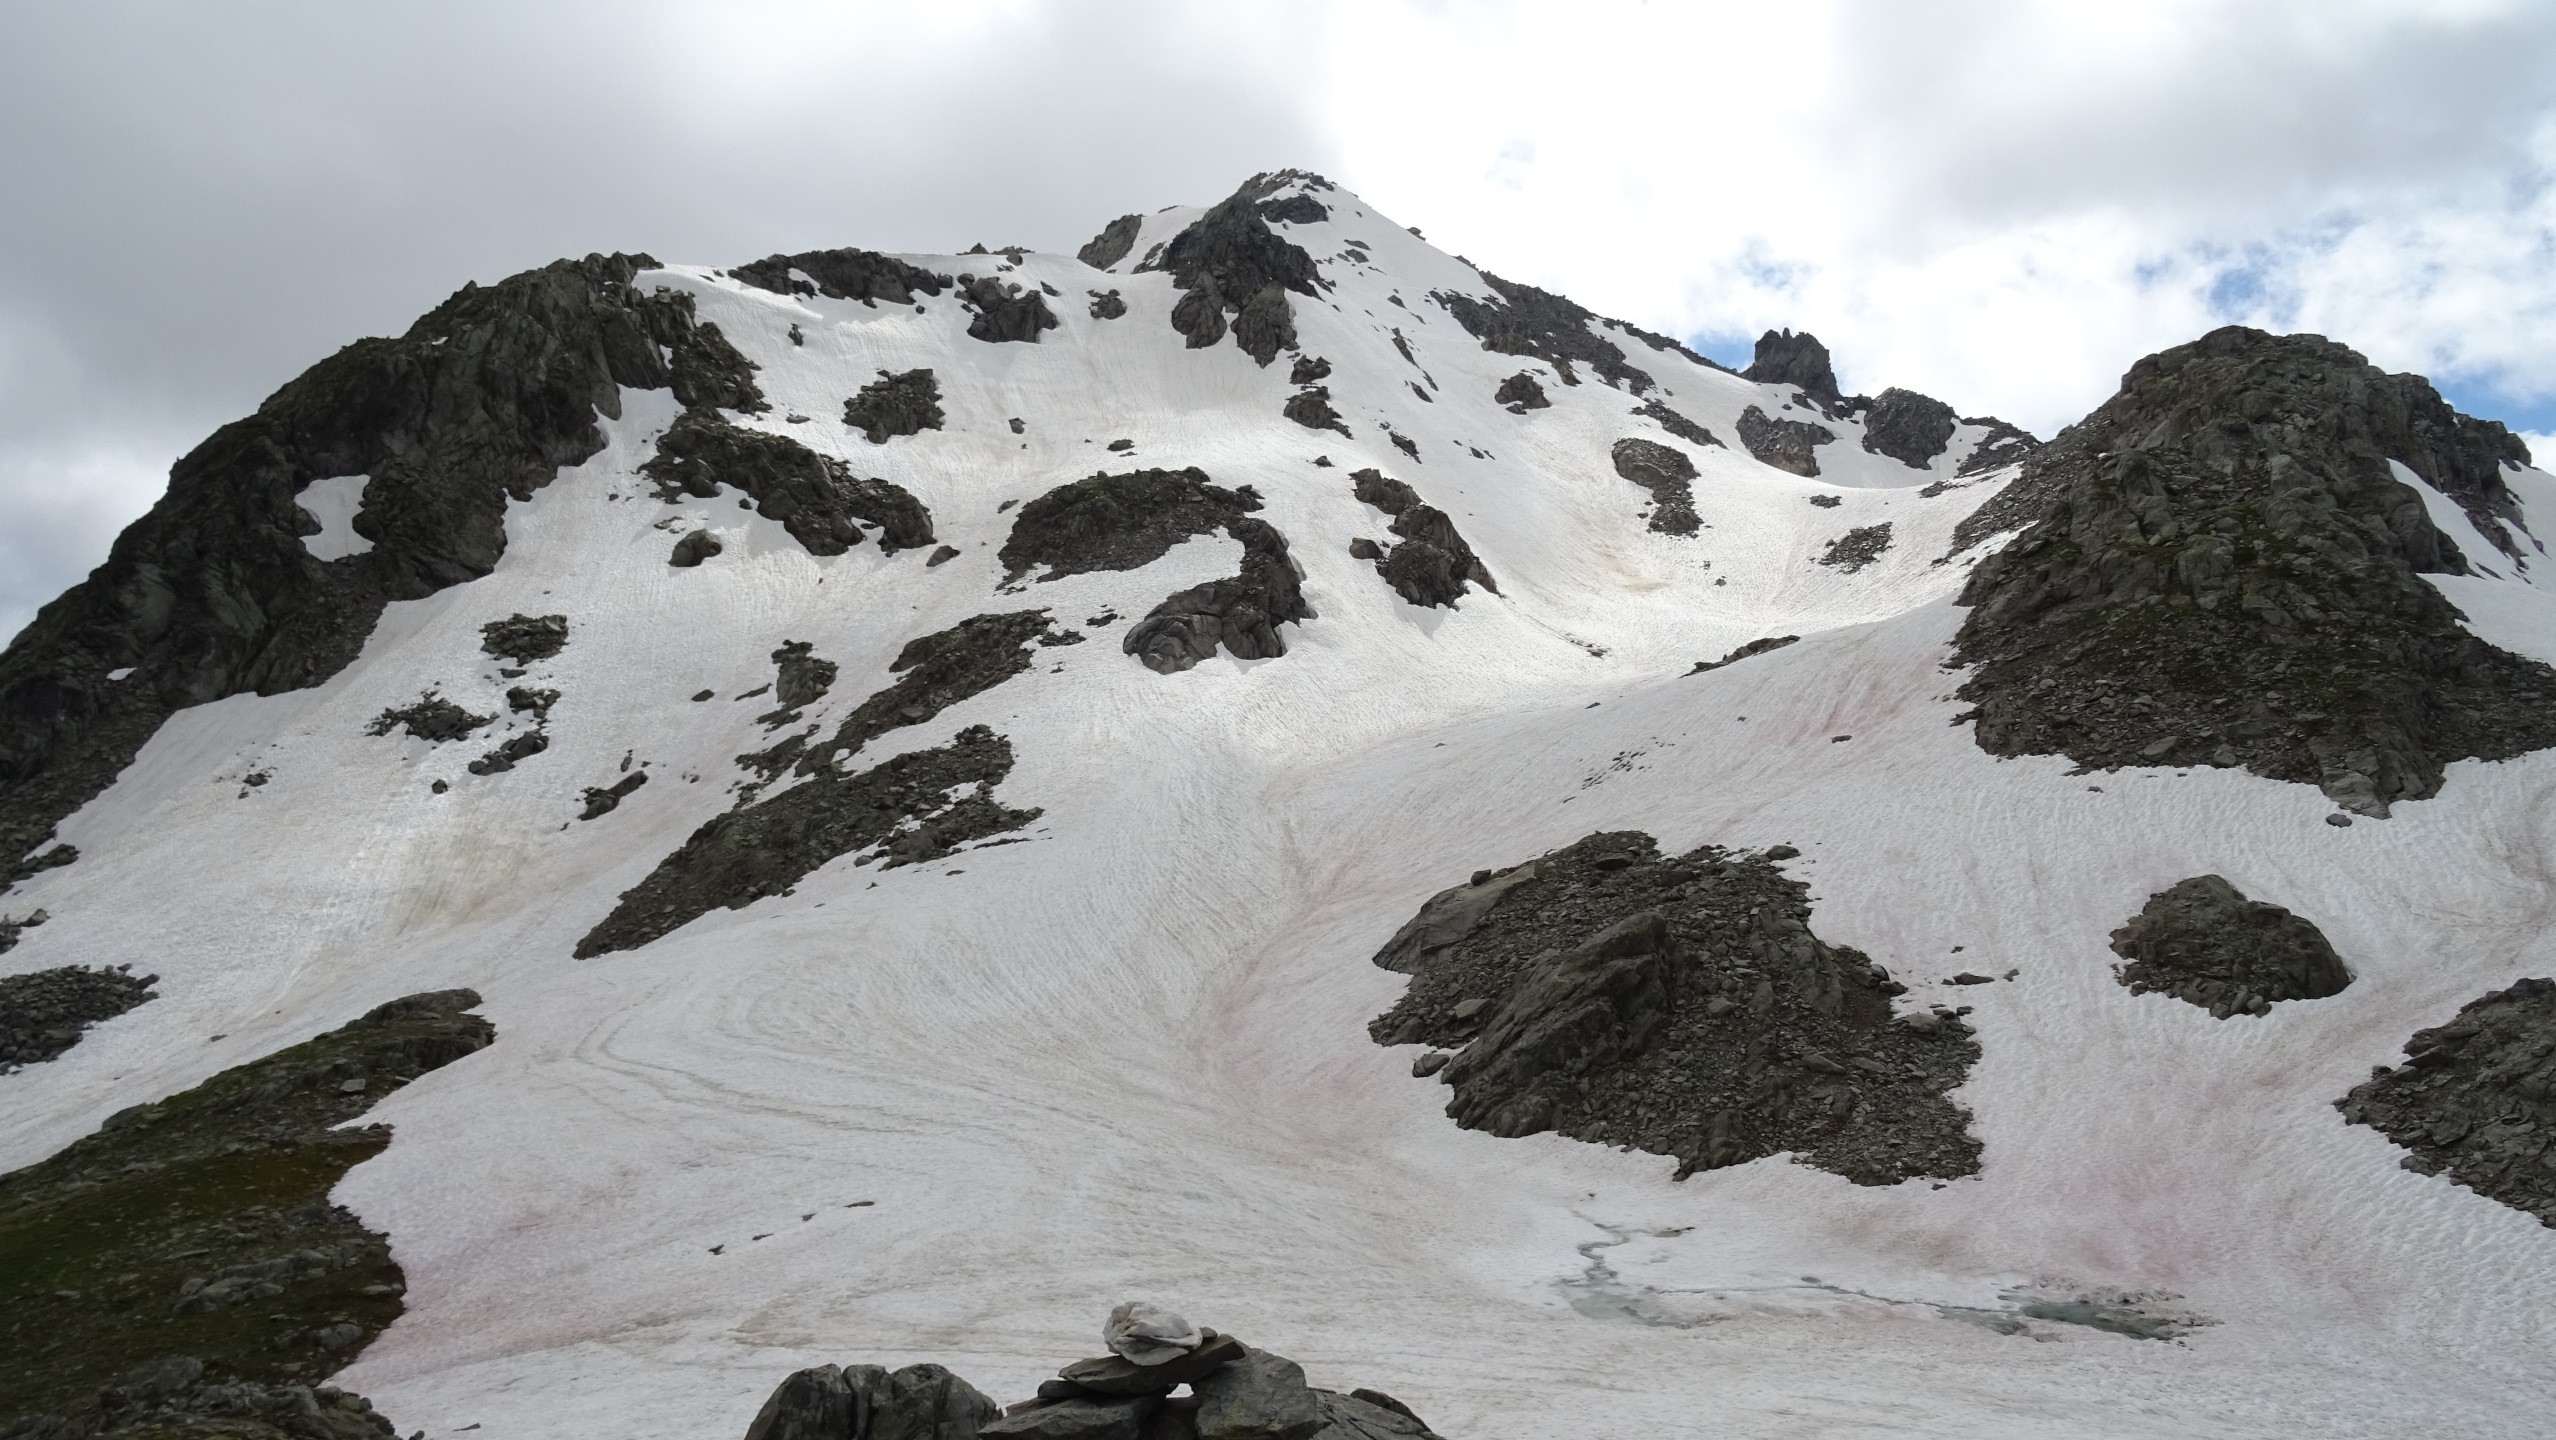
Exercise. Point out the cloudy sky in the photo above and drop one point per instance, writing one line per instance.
(2003, 204)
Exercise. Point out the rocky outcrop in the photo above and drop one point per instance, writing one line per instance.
(2225, 570)
(432, 719)
(934, 672)
(1003, 311)
(916, 807)
(1118, 521)
(1857, 548)
(1230, 262)
(2001, 446)
(1105, 250)
(1520, 393)
(213, 593)
(2476, 1099)
(863, 275)
(1784, 358)
(1669, 476)
(815, 497)
(907, 403)
(693, 547)
(1526, 321)
(2202, 942)
(1908, 427)
(801, 678)
(524, 638)
(1677, 1005)
(1433, 563)
(1242, 614)
(45, 1012)
(1296, 209)
(1311, 408)
(1236, 1392)
(1787, 445)
(1674, 423)
(1743, 652)
(181, 1271)
(1106, 304)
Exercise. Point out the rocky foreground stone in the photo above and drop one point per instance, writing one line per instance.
(1231, 1391)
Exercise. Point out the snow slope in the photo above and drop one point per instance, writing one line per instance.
(1129, 1057)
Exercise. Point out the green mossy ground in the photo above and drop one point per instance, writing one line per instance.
(200, 1226)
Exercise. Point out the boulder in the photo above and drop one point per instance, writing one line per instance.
(1118, 1375)
(1258, 1397)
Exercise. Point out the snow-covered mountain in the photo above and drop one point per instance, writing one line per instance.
(968, 785)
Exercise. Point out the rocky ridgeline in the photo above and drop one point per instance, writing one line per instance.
(212, 593)
(2204, 943)
(1678, 1005)
(1908, 427)
(2220, 568)
(181, 1271)
(1233, 1392)
(2476, 1099)
(1231, 263)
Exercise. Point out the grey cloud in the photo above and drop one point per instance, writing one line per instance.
(204, 200)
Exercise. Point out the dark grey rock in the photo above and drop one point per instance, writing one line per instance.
(906, 403)
(515, 748)
(1308, 369)
(1908, 427)
(919, 1402)
(1005, 311)
(801, 678)
(1111, 245)
(1231, 261)
(1241, 614)
(1365, 549)
(814, 1404)
(1676, 424)
(695, 547)
(2202, 941)
(1118, 1376)
(941, 556)
(1520, 393)
(602, 801)
(1430, 1064)
(1784, 358)
(1311, 408)
(1827, 502)
(525, 638)
(2472, 1099)
(2222, 556)
(904, 807)
(1785, 444)
(2002, 446)
(1118, 521)
(523, 700)
(1857, 548)
(1526, 321)
(212, 593)
(1258, 1397)
(1079, 1419)
(1677, 1005)
(815, 497)
(862, 275)
(1368, 1415)
(1669, 476)
(1433, 563)
(1106, 304)
(1595, 1006)
(1297, 209)
(433, 719)
(1753, 647)
(45, 1012)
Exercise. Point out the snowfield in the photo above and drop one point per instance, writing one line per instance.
(955, 1111)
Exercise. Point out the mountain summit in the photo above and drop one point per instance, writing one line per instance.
(676, 830)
